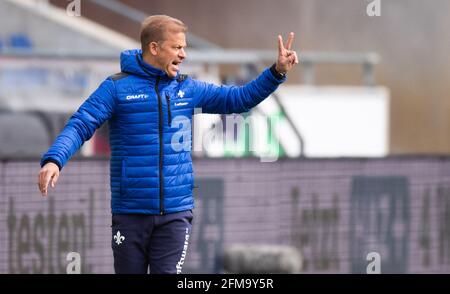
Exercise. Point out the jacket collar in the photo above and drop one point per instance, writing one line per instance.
(131, 61)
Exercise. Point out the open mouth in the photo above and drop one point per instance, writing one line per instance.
(174, 66)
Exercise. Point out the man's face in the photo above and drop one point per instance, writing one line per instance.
(171, 53)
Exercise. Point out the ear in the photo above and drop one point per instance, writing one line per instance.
(153, 48)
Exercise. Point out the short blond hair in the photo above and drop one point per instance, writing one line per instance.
(155, 27)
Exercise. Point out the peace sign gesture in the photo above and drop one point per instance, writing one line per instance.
(287, 58)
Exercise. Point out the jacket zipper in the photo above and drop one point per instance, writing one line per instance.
(161, 146)
(168, 107)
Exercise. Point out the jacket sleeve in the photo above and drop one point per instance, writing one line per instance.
(236, 99)
(98, 108)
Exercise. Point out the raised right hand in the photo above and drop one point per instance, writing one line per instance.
(287, 58)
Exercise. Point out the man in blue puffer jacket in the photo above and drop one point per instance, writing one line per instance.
(146, 104)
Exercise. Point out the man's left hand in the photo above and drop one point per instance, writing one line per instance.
(287, 58)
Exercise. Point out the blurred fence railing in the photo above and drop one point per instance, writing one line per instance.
(245, 58)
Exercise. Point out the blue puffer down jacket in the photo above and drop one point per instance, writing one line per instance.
(146, 110)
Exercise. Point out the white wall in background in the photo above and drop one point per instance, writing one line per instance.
(338, 121)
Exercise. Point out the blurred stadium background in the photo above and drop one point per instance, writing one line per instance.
(362, 141)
